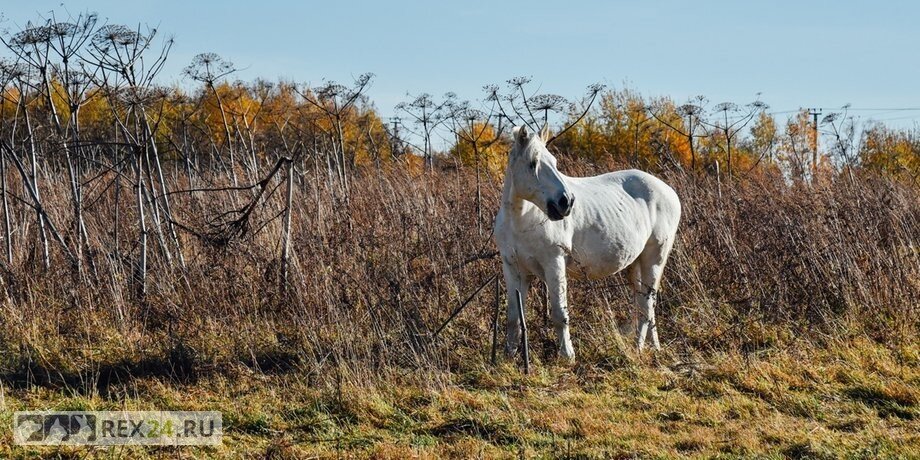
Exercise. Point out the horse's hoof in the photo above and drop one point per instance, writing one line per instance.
(567, 355)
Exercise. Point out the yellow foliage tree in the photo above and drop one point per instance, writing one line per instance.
(480, 143)
(896, 152)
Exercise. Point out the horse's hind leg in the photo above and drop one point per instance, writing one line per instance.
(651, 267)
(634, 278)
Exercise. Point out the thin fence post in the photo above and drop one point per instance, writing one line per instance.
(520, 304)
(495, 322)
(286, 233)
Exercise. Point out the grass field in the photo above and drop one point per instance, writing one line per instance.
(845, 399)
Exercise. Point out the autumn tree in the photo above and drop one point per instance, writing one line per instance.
(764, 137)
(891, 151)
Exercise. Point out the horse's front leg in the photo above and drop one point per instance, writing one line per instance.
(516, 281)
(558, 291)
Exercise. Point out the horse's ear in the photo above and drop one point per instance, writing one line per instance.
(521, 134)
(544, 133)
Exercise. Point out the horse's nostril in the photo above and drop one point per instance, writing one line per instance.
(565, 203)
(553, 210)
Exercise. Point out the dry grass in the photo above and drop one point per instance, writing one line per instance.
(805, 402)
(789, 314)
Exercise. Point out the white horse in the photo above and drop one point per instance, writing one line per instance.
(622, 220)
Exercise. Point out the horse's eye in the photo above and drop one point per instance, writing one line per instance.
(533, 164)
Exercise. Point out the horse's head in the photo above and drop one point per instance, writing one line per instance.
(533, 174)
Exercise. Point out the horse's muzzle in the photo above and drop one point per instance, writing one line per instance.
(561, 207)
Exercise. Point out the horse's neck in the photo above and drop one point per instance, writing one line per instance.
(512, 204)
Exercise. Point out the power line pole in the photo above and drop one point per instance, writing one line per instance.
(394, 149)
(814, 153)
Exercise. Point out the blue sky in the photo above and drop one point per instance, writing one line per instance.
(797, 54)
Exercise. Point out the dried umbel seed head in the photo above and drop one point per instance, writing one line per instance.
(726, 107)
(690, 110)
(422, 101)
(208, 67)
(118, 35)
(595, 88)
(13, 70)
(491, 92)
(518, 82)
(547, 102)
(63, 29)
(32, 36)
(331, 90)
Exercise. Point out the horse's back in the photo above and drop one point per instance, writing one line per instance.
(660, 199)
(622, 212)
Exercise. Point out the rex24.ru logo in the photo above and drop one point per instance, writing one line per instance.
(118, 427)
(55, 429)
